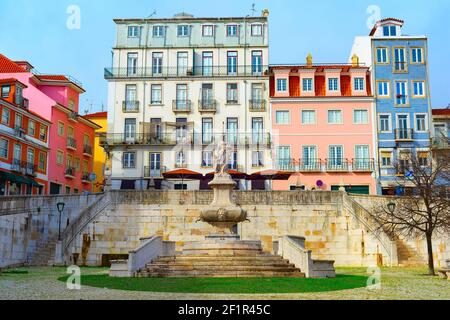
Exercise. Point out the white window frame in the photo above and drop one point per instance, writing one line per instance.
(359, 84)
(309, 84)
(136, 33)
(334, 89)
(209, 28)
(152, 102)
(385, 49)
(391, 165)
(388, 93)
(282, 85)
(6, 148)
(421, 49)
(422, 84)
(362, 122)
(314, 119)
(184, 27)
(235, 26)
(126, 162)
(425, 122)
(160, 33)
(389, 122)
(254, 28)
(288, 117)
(335, 123)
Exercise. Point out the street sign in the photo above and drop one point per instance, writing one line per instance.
(92, 176)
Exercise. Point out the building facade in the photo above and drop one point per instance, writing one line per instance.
(441, 132)
(399, 65)
(177, 86)
(101, 162)
(322, 120)
(71, 136)
(23, 143)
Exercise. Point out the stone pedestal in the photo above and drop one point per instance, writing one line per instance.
(222, 213)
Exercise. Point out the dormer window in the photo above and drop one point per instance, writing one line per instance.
(5, 91)
(158, 31)
(208, 31)
(183, 31)
(359, 84)
(333, 84)
(19, 97)
(281, 85)
(232, 30)
(257, 30)
(389, 31)
(133, 31)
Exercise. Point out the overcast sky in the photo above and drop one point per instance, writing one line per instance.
(37, 31)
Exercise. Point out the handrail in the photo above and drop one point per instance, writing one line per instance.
(145, 253)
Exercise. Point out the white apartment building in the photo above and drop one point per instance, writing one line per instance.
(179, 85)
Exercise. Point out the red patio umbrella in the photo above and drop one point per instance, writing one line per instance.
(235, 175)
(182, 174)
(271, 175)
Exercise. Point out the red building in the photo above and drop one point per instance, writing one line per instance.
(23, 143)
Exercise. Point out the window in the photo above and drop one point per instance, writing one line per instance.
(207, 130)
(309, 156)
(362, 155)
(208, 31)
(183, 31)
(5, 91)
(232, 93)
(401, 93)
(5, 116)
(281, 85)
(308, 117)
(18, 121)
(42, 164)
(334, 117)
(383, 89)
(333, 84)
(232, 30)
(359, 84)
(257, 130)
(257, 96)
(382, 56)
(133, 31)
(389, 31)
(130, 128)
(422, 157)
(207, 63)
(307, 84)
(156, 94)
(31, 128)
(77, 164)
(157, 63)
(421, 122)
(132, 61)
(43, 133)
(4, 145)
(283, 157)
(182, 63)
(232, 60)
(385, 123)
(182, 97)
(419, 88)
(60, 129)
(256, 62)
(282, 117)
(399, 60)
(257, 30)
(180, 160)
(232, 131)
(158, 31)
(71, 104)
(128, 160)
(233, 161)
(360, 117)
(335, 154)
(59, 157)
(386, 158)
(207, 159)
(416, 55)
(19, 96)
(85, 166)
(257, 159)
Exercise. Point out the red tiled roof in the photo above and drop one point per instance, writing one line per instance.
(97, 115)
(55, 77)
(441, 112)
(9, 66)
(12, 80)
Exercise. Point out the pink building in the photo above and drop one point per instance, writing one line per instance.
(322, 122)
(71, 136)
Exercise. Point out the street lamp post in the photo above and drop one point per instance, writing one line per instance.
(60, 207)
(391, 207)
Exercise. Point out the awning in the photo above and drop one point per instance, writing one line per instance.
(18, 179)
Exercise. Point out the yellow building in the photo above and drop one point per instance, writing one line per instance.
(99, 118)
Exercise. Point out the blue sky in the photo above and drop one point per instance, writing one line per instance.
(36, 31)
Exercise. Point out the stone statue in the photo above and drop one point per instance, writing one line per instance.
(221, 158)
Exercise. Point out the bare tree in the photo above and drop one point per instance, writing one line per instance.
(424, 210)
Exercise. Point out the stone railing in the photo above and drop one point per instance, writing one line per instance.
(293, 249)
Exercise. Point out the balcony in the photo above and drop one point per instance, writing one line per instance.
(131, 106)
(310, 165)
(404, 135)
(337, 165)
(363, 165)
(400, 67)
(73, 116)
(285, 164)
(151, 172)
(187, 72)
(257, 105)
(71, 143)
(24, 103)
(16, 165)
(70, 172)
(181, 165)
(87, 150)
(401, 169)
(209, 105)
(148, 139)
(181, 106)
(85, 177)
(19, 132)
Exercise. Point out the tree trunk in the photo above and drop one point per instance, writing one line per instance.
(430, 255)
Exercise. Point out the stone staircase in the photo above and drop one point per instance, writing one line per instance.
(45, 253)
(218, 259)
(407, 255)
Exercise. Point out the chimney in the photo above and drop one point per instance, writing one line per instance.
(355, 61)
(309, 60)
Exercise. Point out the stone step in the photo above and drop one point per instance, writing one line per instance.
(214, 263)
(183, 258)
(222, 274)
(202, 268)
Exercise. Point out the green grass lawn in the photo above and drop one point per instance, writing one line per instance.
(225, 285)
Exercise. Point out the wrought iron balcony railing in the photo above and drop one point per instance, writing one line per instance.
(130, 106)
(192, 72)
(209, 105)
(152, 172)
(71, 143)
(87, 150)
(257, 105)
(73, 116)
(85, 177)
(310, 165)
(181, 106)
(337, 165)
(404, 134)
(285, 164)
(70, 172)
(363, 165)
(151, 139)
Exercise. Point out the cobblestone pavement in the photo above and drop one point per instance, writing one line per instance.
(42, 283)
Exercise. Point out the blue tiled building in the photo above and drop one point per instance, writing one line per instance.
(399, 65)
